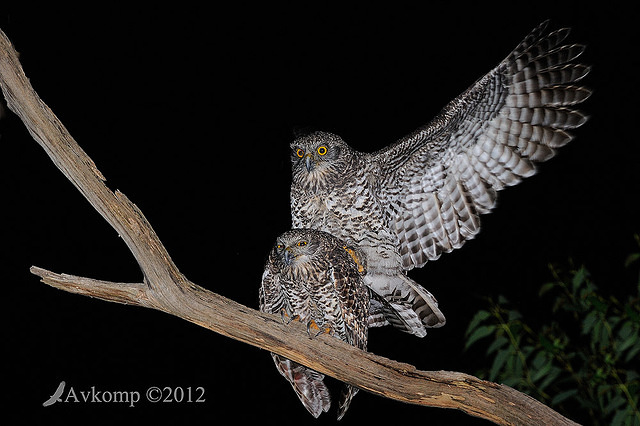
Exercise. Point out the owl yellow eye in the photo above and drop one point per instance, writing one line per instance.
(322, 150)
(301, 243)
(300, 152)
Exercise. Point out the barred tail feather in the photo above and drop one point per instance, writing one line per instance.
(307, 383)
(348, 392)
(401, 302)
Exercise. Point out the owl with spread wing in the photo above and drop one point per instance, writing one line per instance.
(423, 196)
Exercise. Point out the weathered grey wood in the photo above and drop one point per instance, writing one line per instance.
(164, 288)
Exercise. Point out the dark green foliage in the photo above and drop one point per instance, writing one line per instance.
(583, 360)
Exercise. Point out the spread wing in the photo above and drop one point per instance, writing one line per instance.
(439, 179)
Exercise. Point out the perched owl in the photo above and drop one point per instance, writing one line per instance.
(423, 195)
(314, 277)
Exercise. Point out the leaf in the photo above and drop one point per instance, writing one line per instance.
(527, 350)
(499, 342)
(605, 338)
(514, 315)
(596, 334)
(480, 316)
(627, 344)
(541, 372)
(515, 328)
(614, 320)
(545, 288)
(579, 277)
(597, 303)
(630, 259)
(623, 417)
(589, 321)
(616, 402)
(632, 375)
(479, 333)
(634, 314)
(539, 361)
(632, 352)
(562, 396)
(628, 337)
(498, 363)
(546, 343)
(626, 330)
(518, 366)
(551, 377)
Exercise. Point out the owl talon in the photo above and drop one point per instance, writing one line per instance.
(312, 325)
(286, 319)
(293, 318)
(326, 330)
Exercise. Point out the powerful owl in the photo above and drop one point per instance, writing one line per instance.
(423, 195)
(314, 277)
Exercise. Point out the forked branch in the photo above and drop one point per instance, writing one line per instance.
(164, 288)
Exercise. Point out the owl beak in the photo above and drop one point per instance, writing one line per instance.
(288, 256)
(309, 162)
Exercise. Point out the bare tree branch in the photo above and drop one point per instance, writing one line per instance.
(164, 288)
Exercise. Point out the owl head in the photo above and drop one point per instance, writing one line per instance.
(296, 247)
(319, 158)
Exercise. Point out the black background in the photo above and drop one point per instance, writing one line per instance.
(189, 111)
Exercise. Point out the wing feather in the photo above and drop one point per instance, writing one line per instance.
(272, 296)
(439, 179)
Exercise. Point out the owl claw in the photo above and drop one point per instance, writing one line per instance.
(313, 329)
(286, 319)
(312, 325)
